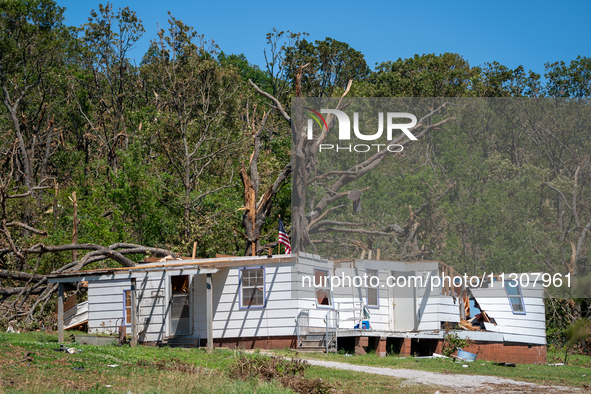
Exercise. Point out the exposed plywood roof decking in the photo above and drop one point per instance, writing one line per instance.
(199, 264)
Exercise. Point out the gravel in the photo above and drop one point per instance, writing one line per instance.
(459, 383)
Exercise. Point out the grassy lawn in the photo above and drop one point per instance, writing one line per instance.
(576, 374)
(29, 364)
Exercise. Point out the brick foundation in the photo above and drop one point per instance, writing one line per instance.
(490, 351)
(518, 353)
(381, 347)
(361, 344)
(405, 349)
(278, 342)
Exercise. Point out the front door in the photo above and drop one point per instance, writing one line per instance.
(180, 309)
(402, 303)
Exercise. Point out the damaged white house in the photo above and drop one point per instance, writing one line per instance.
(287, 301)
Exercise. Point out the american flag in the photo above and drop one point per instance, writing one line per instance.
(284, 238)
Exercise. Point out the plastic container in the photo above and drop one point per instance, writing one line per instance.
(364, 325)
(466, 355)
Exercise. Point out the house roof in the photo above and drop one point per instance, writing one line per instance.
(210, 265)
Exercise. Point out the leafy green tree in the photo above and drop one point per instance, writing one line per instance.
(105, 89)
(193, 116)
(573, 80)
(32, 43)
(331, 64)
(429, 75)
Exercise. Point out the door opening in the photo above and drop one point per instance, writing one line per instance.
(180, 310)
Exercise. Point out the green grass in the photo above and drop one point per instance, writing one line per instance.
(54, 372)
(49, 371)
(576, 374)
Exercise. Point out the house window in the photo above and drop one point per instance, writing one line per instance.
(372, 289)
(252, 282)
(322, 285)
(127, 307)
(515, 297)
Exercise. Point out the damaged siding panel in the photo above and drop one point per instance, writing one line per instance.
(448, 310)
(522, 328)
(502, 307)
(529, 339)
(519, 330)
(510, 316)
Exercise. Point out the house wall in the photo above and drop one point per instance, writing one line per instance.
(286, 298)
(105, 305)
(305, 296)
(106, 311)
(527, 328)
(152, 299)
(276, 318)
(431, 306)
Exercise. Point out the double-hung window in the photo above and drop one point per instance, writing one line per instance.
(373, 299)
(252, 284)
(515, 297)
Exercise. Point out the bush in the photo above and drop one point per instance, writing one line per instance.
(290, 373)
(451, 342)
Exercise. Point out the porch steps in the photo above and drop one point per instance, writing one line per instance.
(314, 342)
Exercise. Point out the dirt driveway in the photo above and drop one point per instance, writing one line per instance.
(456, 383)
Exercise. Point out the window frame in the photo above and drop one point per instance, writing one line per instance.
(510, 296)
(369, 286)
(264, 287)
(329, 296)
(125, 307)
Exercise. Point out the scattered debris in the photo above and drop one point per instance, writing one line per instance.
(28, 357)
(71, 350)
(11, 329)
(173, 365)
(556, 365)
(466, 356)
(113, 365)
(505, 364)
(465, 365)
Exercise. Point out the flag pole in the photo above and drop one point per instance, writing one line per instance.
(279, 243)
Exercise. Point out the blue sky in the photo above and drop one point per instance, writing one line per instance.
(518, 32)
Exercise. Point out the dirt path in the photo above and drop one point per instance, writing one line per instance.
(456, 382)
